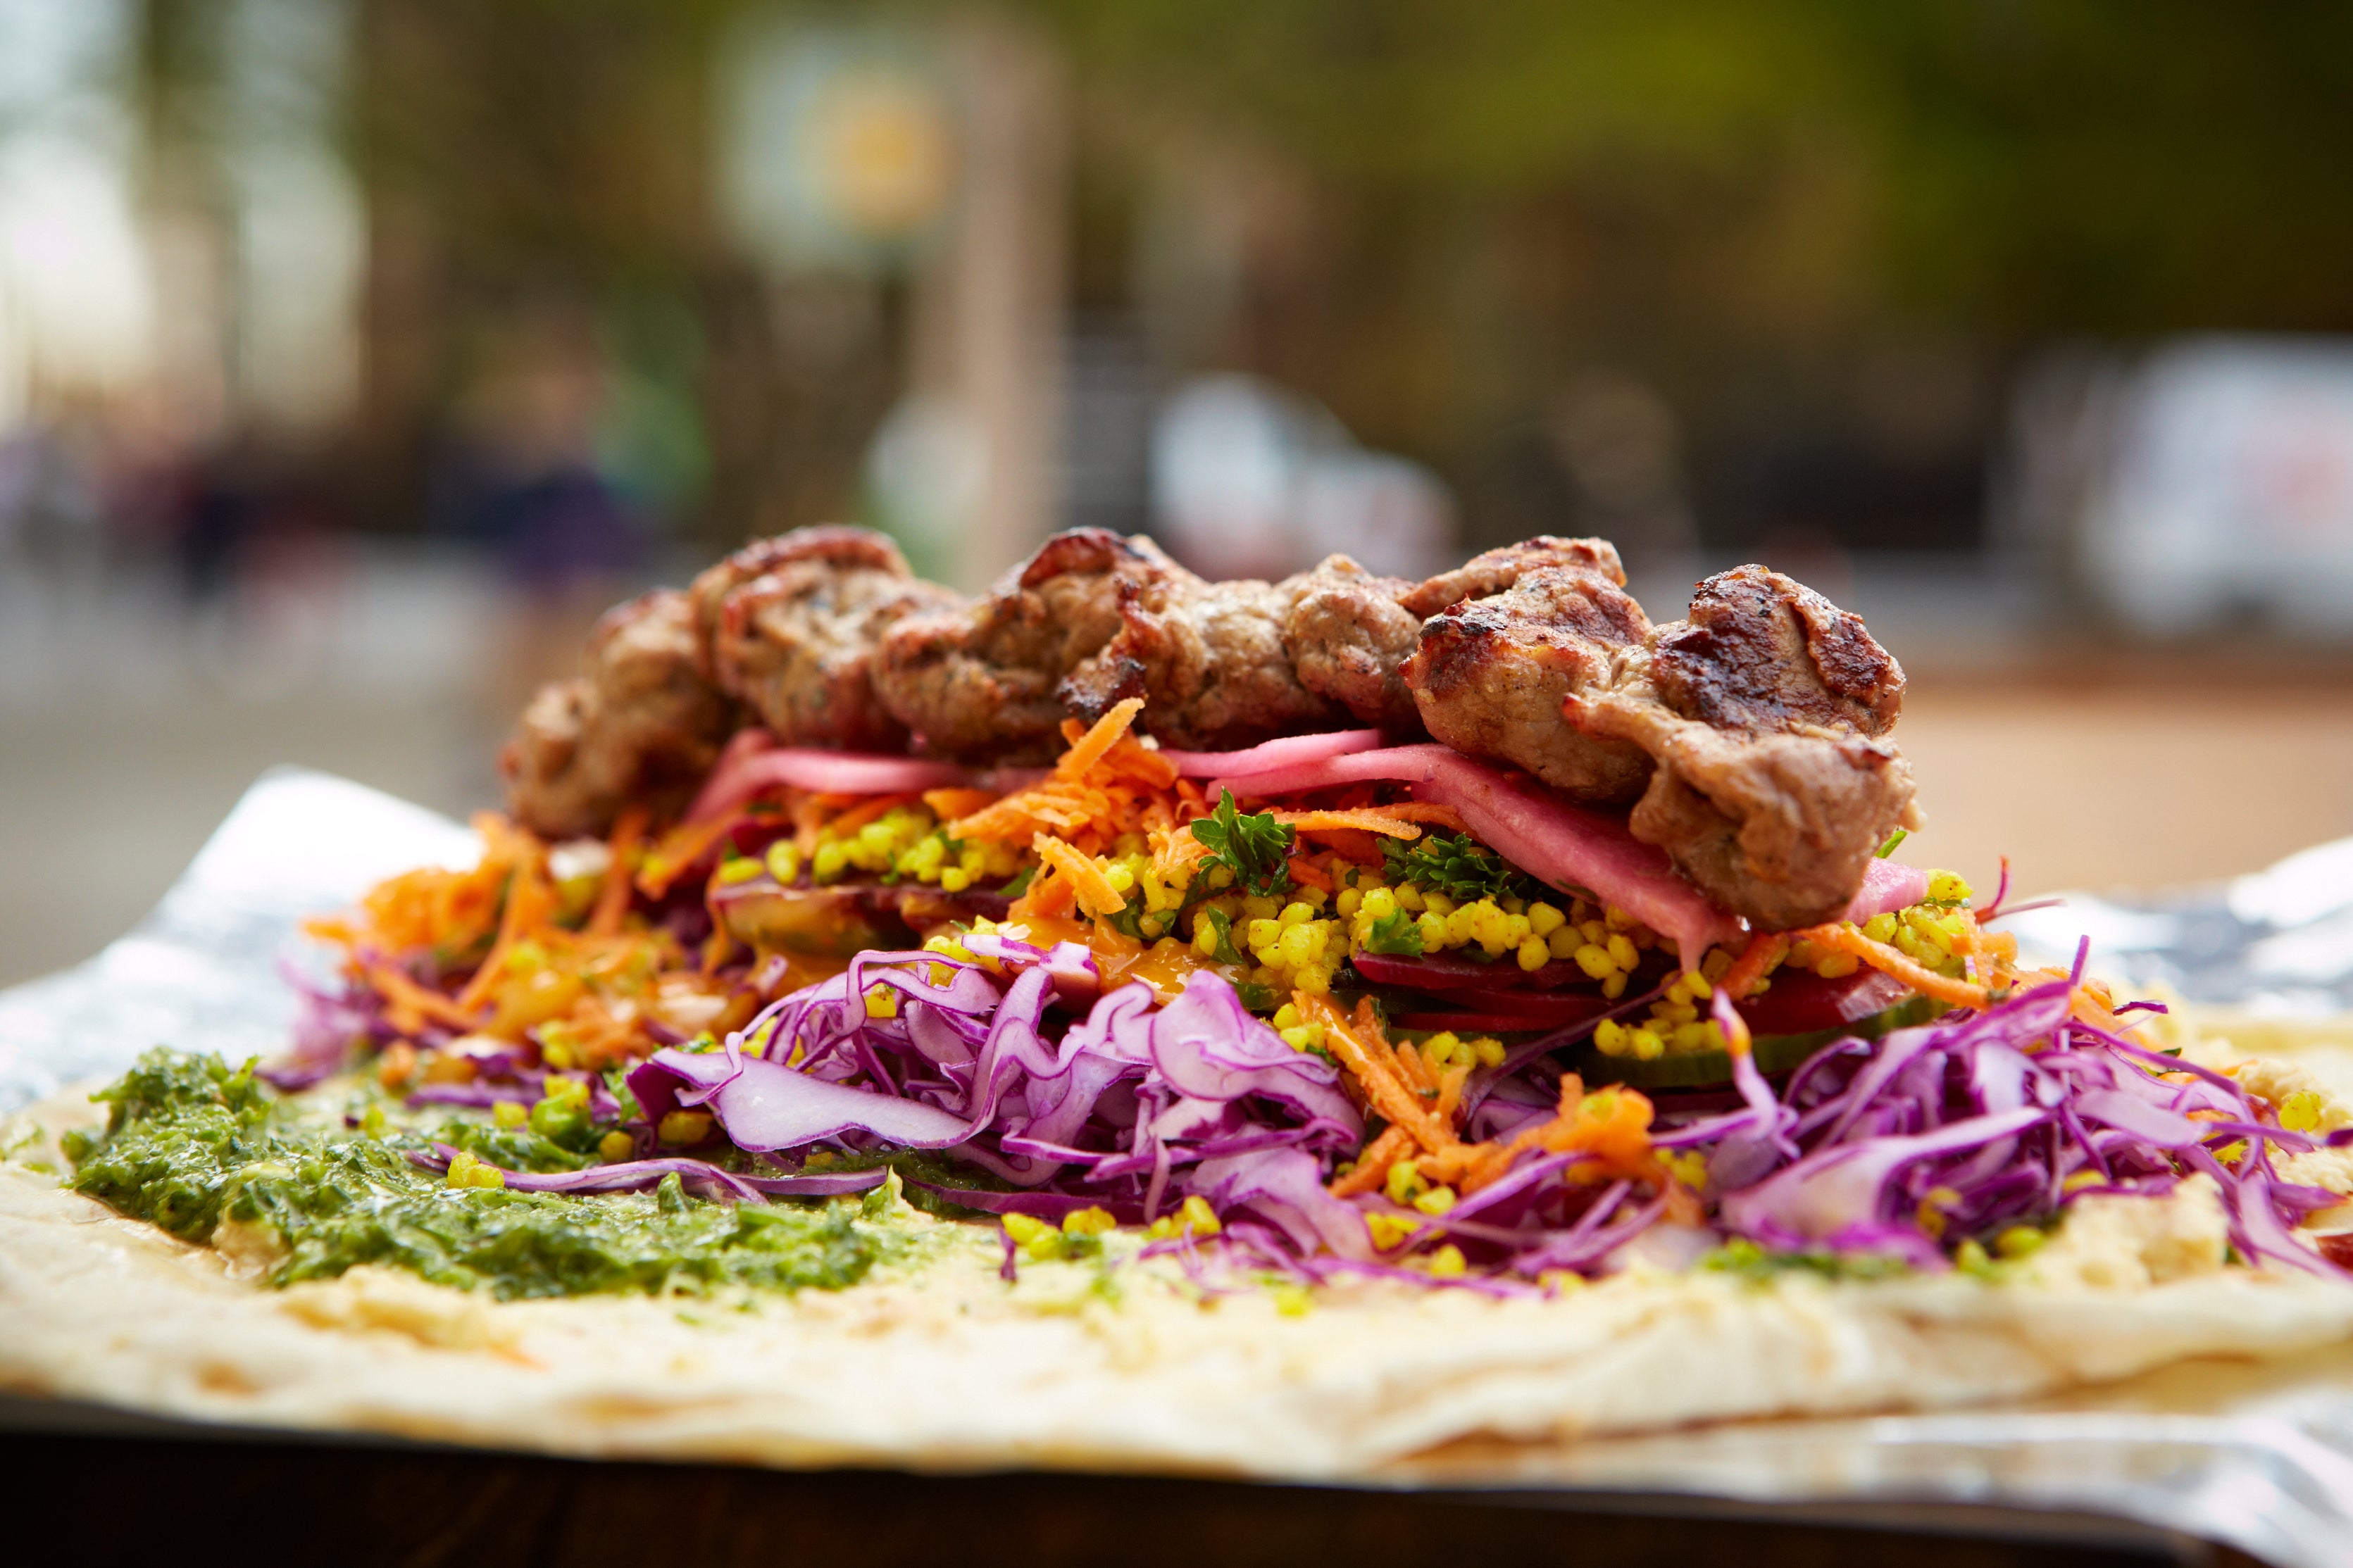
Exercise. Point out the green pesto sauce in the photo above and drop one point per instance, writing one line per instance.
(190, 1144)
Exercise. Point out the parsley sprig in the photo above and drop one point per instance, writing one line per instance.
(1456, 865)
(1394, 932)
(1255, 848)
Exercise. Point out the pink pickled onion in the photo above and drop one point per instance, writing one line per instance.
(1887, 885)
(750, 764)
(1277, 754)
(1564, 845)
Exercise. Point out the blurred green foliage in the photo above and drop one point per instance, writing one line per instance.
(2106, 165)
(1736, 204)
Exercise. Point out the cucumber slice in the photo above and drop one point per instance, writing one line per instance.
(1774, 1053)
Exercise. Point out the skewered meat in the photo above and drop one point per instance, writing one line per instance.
(1348, 634)
(1088, 621)
(1485, 576)
(641, 726)
(791, 625)
(1763, 712)
(984, 683)
(1492, 674)
(1759, 651)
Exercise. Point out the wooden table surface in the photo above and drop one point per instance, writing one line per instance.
(92, 1500)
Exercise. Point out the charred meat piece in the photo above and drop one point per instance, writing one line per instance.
(1762, 652)
(641, 726)
(1090, 620)
(1776, 827)
(1492, 677)
(1485, 576)
(984, 682)
(792, 621)
(1233, 684)
(1765, 713)
(1348, 633)
(835, 546)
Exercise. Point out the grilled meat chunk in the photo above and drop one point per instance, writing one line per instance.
(792, 623)
(1776, 826)
(1759, 651)
(641, 726)
(1765, 713)
(1088, 621)
(1493, 675)
(984, 682)
(1347, 633)
(1485, 576)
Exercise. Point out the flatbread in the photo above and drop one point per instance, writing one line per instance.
(944, 1366)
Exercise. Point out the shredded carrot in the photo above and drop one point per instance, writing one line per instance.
(613, 896)
(1358, 847)
(1765, 949)
(449, 911)
(1369, 819)
(1847, 938)
(1383, 1087)
(1090, 747)
(1107, 786)
(1372, 1165)
(948, 804)
(678, 851)
(870, 810)
(1306, 873)
(529, 904)
(810, 813)
(1183, 850)
(1608, 1131)
(1088, 884)
(2090, 1004)
(1047, 896)
(1421, 811)
(409, 1005)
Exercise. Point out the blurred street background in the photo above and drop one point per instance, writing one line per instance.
(353, 354)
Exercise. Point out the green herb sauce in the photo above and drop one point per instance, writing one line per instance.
(190, 1143)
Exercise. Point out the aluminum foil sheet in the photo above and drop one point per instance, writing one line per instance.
(2259, 1455)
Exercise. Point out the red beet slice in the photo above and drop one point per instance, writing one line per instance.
(1800, 1003)
(1442, 972)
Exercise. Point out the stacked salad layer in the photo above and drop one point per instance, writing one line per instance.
(1323, 1008)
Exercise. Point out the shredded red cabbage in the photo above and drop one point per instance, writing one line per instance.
(700, 1177)
(1053, 1095)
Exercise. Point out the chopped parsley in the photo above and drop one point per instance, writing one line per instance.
(1455, 865)
(1223, 925)
(1397, 932)
(1894, 841)
(1255, 848)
